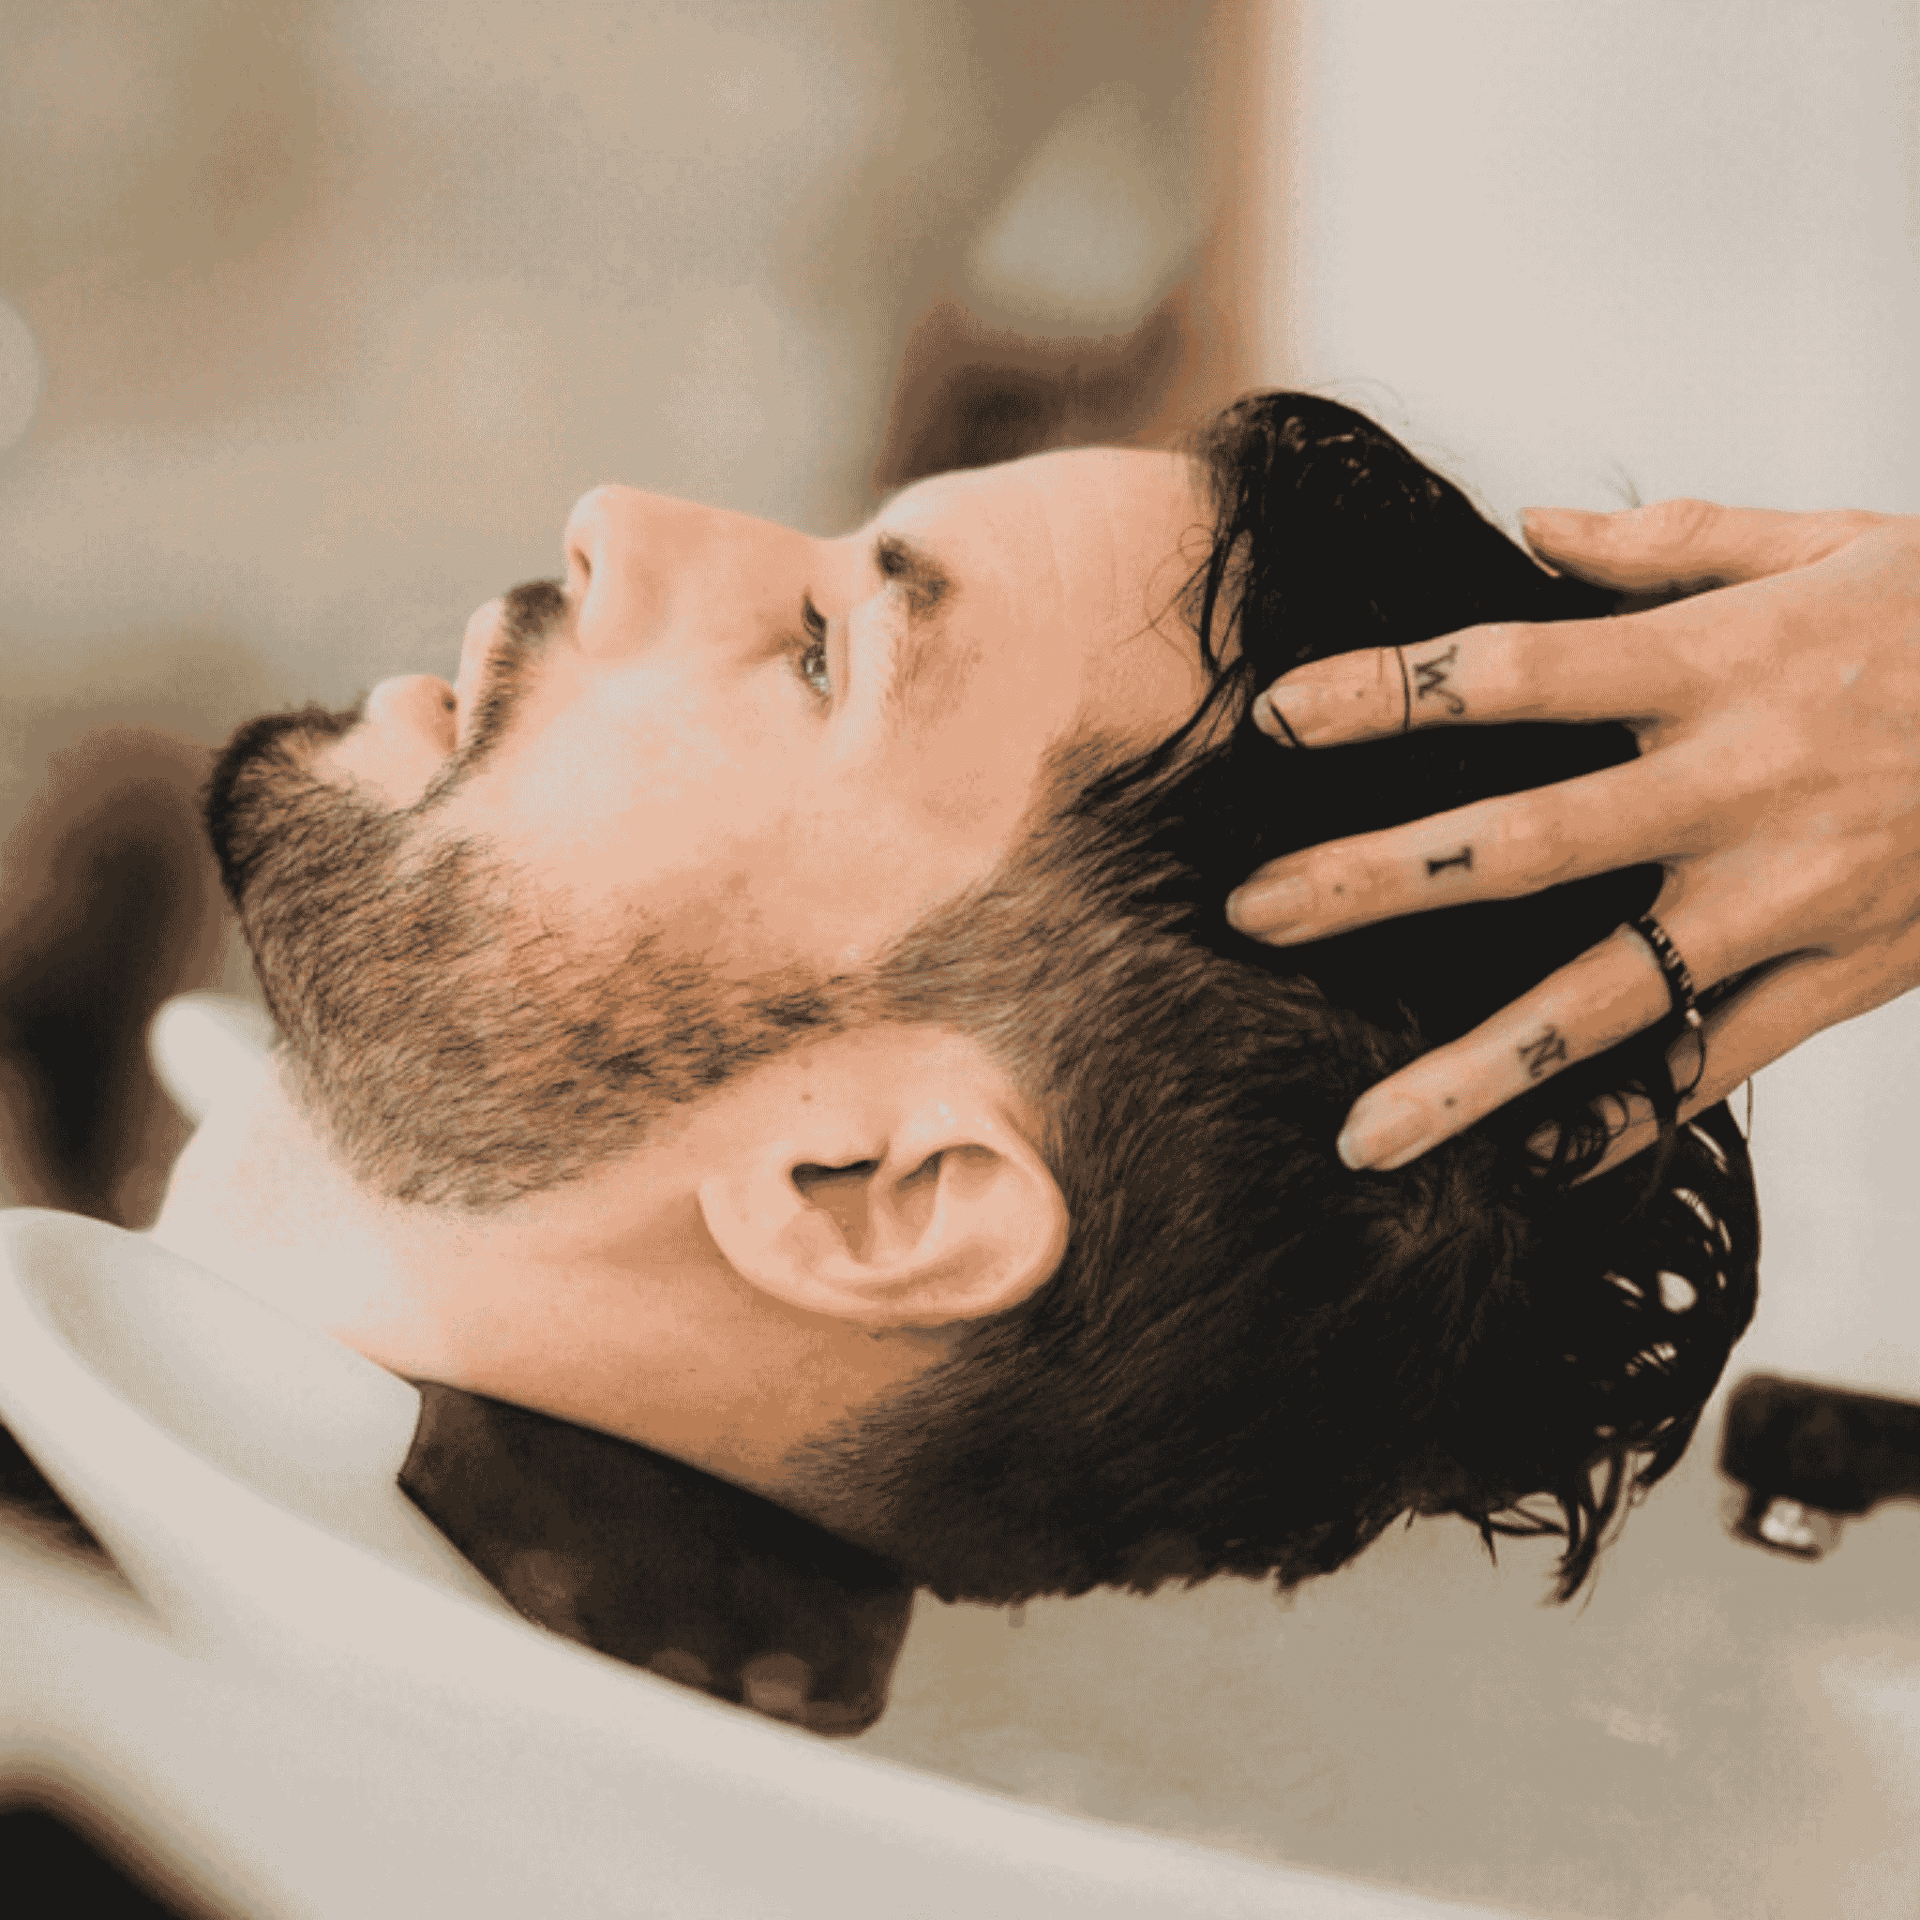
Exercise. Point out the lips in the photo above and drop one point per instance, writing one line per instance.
(501, 639)
(419, 702)
(479, 640)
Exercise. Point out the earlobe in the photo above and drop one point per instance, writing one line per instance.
(951, 1218)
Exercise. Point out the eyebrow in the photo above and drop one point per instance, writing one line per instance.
(930, 592)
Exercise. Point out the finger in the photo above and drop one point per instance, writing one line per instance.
(1685, 546)
(1561, 670)
(1798, 998)
(1499, 849)
(1631, 1116)
(1612, 991)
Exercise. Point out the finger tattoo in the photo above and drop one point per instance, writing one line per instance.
(1434, 679)
(1464, 858)
(1547, 1050)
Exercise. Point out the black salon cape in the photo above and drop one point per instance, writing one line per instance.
(633, 1554)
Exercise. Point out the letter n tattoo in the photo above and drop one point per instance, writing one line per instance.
(1549, 1050)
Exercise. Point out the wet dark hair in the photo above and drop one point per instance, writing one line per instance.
(1250, 1359)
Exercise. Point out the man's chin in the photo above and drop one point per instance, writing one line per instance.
(258, 779)
(281, 736)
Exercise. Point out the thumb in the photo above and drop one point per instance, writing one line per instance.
(1684, 546)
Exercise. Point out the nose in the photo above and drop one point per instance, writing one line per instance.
(588, 531)
(625, 553)
(641, 564)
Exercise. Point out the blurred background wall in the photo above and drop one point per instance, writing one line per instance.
(317, 317)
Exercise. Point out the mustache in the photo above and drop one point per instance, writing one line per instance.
(259, 778)
(530, 612)
(529, 616)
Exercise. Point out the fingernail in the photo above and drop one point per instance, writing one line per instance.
(1268, 905)
(1288, 713)
(1383, 1140)
(1544, 528)
(1546, 525)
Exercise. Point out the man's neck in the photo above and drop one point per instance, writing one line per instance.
(255, 1198)
(605, 1304)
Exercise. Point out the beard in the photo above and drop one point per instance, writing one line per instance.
(456, 1040)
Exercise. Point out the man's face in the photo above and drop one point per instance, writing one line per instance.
(684, 732)
(723, 742)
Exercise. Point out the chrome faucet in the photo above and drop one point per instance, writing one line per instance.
(1809, 1456)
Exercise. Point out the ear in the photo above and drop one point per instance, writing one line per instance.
(916, 1205)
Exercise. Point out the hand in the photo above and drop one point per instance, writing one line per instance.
(1778, 784)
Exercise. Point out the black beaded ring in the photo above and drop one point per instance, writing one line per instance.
(1679, 980)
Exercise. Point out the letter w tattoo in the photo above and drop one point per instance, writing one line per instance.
(1433, 679)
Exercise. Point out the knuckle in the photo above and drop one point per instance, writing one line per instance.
(1451, 1087)
(1827, 889)
(1531, 1045)
(1383, 689)
(1341, 883)
(1856, 520)
(1504, 659)
(1680, 521)
(1821, 534)
(1536, 849)
(1364, 878)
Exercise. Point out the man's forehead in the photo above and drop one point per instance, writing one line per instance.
(1080, 532)
(1068, 480)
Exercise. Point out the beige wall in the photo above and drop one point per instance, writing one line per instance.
(332, 310)
(340, 306)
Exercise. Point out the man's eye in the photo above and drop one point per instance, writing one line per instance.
(812, 658)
